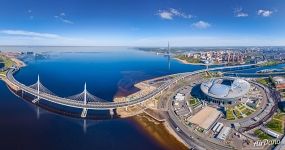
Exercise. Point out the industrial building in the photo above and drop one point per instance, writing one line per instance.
(224, 133)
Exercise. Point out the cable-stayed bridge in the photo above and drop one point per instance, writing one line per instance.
(86, 100)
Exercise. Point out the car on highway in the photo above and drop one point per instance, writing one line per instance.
(177, 129)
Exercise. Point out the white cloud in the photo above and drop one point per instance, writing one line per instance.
(21, 37)
(238, 12)
(201, 24)
(62, 17)
(264, 13)
(165, 15)
(29, 34)
(175, 12)
(171, 13)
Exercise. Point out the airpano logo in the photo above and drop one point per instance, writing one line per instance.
(265, 142)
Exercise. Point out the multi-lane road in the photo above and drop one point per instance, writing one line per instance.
(107, 105)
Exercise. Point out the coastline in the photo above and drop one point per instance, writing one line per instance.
(187, 63)
(152, 126)
(198, 64)
(159, 131)
(18, 63)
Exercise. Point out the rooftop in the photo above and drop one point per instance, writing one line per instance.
(225, 87)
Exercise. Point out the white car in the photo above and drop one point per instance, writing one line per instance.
(177, 129)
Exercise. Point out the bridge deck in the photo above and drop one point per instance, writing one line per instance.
(107, 105)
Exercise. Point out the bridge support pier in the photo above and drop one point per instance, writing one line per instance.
(36, 100)
(111, 112)
(84, 113)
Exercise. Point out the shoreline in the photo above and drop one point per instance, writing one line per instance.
(145, 120)
(197, 64)
(159, 131)
(188, 63)
(156, 129)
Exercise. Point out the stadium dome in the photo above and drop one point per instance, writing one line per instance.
(225, 90)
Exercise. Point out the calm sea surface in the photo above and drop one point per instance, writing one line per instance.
(107, 71)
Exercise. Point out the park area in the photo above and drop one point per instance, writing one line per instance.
(277, 123)
(238, 112)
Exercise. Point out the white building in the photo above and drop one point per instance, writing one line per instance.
(224, 133)
(217, 128)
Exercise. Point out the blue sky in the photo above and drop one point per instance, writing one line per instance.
(142, 22)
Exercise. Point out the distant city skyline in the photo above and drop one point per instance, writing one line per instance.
(142, 23)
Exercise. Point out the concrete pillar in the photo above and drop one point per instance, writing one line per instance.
(111, 112)
(84, 113)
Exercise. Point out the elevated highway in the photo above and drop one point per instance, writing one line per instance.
(83, 104)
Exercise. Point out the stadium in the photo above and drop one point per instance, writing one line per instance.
(224, 90)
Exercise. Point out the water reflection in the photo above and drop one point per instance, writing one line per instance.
(169, 62)
(84, 126)
(38, 112)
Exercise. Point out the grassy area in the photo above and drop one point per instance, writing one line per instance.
(261, 135)
(7, 62)
(276, 124)
(208, 75)
(279, 116)
(238, 114)
(241, 106)
(247, 111)
(188, 59)
(244, 109)
(270, 63)
(264, 81)
(200, 130)
(194, 102)
(229, 114)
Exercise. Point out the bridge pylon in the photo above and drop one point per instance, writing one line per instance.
(38, 86)
(84, 111)
(38, 90)
(85, 94)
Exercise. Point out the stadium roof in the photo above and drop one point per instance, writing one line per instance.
(225, 88)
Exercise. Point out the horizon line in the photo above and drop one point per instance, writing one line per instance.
(137, 46)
